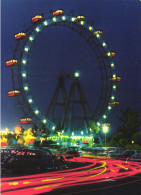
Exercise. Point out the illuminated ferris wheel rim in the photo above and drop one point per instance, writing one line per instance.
(23, 62)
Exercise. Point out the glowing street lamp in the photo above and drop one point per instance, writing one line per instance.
(105, 128)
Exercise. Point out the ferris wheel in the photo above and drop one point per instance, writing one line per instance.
(19, 66)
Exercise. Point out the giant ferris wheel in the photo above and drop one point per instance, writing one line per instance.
(19, 65)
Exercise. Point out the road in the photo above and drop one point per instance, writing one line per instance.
(101, 176)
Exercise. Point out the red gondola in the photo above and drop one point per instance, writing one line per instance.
(12, 62)
(37, 18)
(13, 93)
(25, 121)
(58, 12)
(118, 79)
(113, 54)
(110, 54)
(20, 36)
(114, 79)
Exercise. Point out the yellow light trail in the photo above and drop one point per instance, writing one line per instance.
(42, 187)
(52, 179)
(122, 167)
(102, 166)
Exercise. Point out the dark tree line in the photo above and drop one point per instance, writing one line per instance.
(128, 134)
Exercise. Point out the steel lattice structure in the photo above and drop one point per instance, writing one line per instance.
(99, 47)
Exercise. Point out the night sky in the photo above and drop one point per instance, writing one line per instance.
(60, 50)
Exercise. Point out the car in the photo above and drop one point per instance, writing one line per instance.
(6, 151)
(128, 153)
(115, 152)
(70, 152)
(96, 151)
(59, 160)
(136, 157)
(29, 159)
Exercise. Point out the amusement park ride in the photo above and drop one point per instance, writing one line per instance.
(21, 90)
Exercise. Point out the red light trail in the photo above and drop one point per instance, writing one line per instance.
(100, 170)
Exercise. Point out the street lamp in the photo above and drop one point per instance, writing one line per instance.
(105, 129)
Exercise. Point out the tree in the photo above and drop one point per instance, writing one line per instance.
(95, 130)
(28, 136)
(123, 142)
(130, 122)
(10, 139)
(93, 127)
(137, 138)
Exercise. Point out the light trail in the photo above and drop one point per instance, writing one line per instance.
(100, 170)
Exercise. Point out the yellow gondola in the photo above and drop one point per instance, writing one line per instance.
(12, 62)
(37, 18)
(20, 36)
(58, 12)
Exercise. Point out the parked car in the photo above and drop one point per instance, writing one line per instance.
(136, 157)
(29, 159)
(58, 159)
(115, 152)
(128, 153)
(70, 152)
(6, 151)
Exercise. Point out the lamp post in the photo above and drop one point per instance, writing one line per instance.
(105, 129)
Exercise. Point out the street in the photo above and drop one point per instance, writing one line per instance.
(100, 176)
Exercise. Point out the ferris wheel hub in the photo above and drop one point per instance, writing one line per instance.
(76, 74)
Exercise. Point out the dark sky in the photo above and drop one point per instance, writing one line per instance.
(120, 21)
